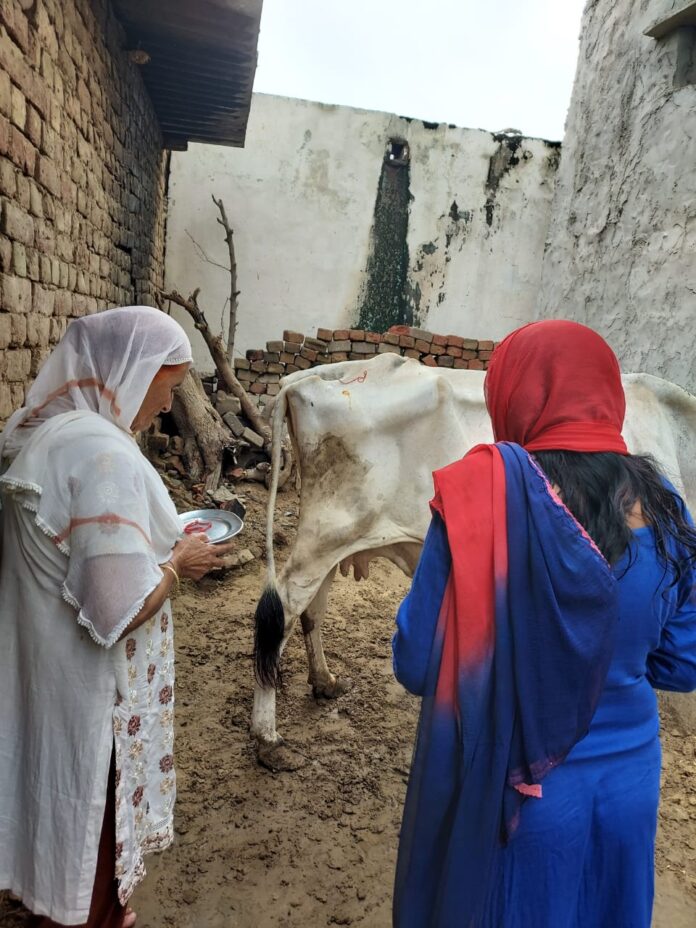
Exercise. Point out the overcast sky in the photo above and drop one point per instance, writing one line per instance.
(488, 64)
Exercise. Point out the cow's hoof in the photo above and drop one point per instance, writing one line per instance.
(278, 757)
(332, 688)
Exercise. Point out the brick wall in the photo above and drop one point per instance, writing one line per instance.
(260, 372)
(82, 179)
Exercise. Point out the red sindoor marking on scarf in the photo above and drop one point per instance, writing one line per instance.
(361, 378)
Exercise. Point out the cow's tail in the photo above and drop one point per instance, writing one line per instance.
(269, 621)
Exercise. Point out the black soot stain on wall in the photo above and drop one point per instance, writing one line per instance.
(504, 158)
(385, 295)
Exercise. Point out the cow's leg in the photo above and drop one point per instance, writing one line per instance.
(292, 601)
(272, 751)
(323, 682)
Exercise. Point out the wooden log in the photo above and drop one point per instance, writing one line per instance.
(204, 434)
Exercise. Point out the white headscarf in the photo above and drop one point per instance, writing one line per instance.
(104, 363)
(75, 465)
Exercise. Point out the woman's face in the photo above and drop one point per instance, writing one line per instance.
(159, 396)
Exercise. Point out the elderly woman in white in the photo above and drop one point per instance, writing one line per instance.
(90, 547)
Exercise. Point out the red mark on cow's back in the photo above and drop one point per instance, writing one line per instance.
(361, 378)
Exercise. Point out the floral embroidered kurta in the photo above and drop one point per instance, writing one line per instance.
(143, 724)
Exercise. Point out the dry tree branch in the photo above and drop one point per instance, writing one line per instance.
(203, 254)
(234, 293)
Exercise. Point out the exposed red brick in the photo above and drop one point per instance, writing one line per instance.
(430, 360)
(455, 340)
(460, 364)
(485, 346)
(325, 334)
(357, 335)
(406, 341)
(436, 349)
(254, 354)
(440, 340)
(476, 365)
(296, 337)
(341, 335)
(453, 351)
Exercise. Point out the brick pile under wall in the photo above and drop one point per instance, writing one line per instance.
(260, 372)
(82, 179)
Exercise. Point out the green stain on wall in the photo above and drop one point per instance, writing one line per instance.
(385, 297)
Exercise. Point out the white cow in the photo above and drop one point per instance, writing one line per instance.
(367, 437)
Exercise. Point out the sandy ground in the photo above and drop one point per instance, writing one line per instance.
(317, 847)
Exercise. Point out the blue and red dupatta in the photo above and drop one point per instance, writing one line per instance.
(521, 650)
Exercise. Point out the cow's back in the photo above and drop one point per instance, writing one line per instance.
(369, 435)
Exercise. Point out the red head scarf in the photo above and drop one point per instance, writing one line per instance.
(556, 385)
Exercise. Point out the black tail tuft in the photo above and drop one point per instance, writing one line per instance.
(268, 635)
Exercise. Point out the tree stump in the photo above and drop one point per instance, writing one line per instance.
(204, 433)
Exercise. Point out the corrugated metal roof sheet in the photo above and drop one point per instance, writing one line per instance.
(202, 63)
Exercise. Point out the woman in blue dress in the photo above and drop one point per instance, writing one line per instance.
(554, 594)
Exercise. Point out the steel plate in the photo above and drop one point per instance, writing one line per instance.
(217, 524)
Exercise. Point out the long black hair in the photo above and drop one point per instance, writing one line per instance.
(601, 490)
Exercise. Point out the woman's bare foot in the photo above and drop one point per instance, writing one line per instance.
(129, 918)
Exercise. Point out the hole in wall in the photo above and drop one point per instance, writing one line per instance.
(397, 152)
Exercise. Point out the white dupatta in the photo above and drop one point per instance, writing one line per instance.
(73, 462)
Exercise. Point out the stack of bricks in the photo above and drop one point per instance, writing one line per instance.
(82, 179)
(260, 372)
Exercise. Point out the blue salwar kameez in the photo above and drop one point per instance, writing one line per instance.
(581, 855)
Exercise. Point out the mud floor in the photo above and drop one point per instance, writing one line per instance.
(316, 847)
